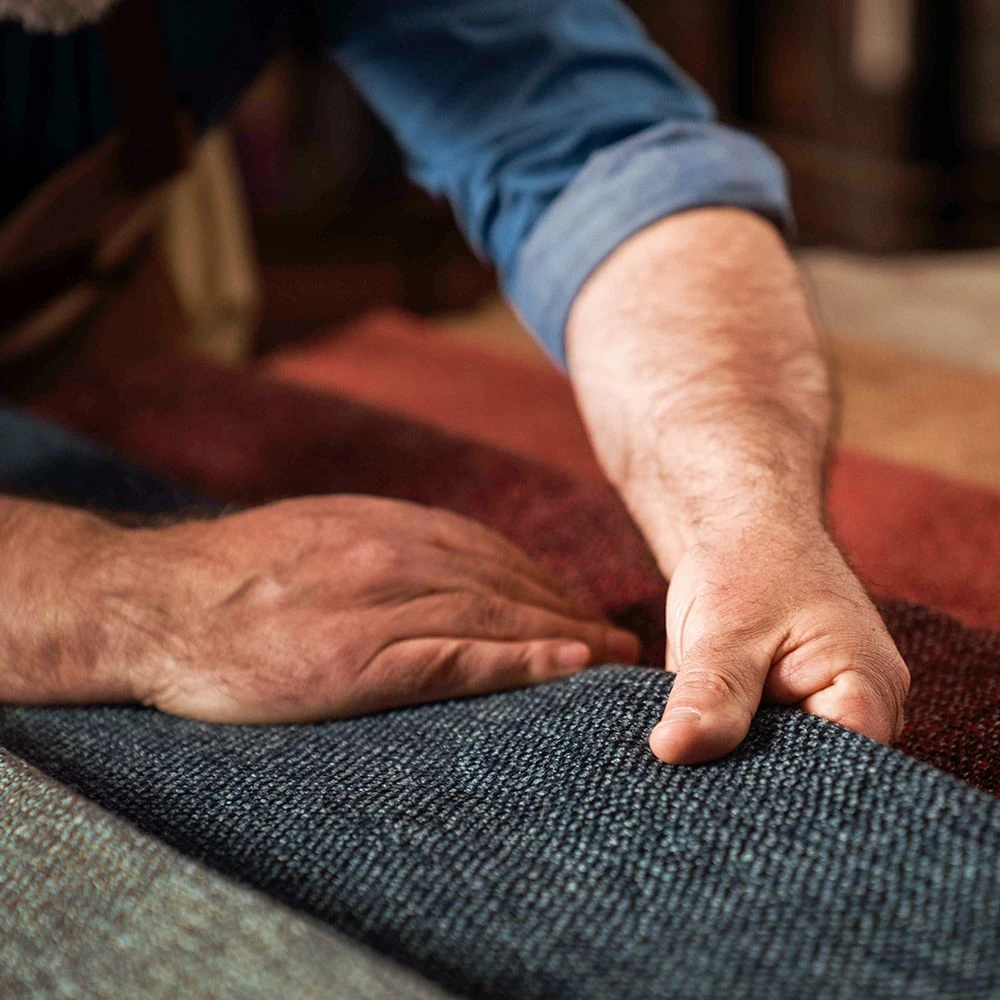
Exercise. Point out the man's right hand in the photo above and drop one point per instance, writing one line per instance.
(301, 610)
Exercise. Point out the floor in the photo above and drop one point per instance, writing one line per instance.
(944, 305)
(916, 343)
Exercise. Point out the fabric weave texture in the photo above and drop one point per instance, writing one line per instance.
(90, 907)
(527, 845)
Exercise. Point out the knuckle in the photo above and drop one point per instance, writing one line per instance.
(856, 708)
(897, 680)
(525, 661)
(447, 665)
(887, 677)
(375, 556)
(718, 685)
(901, 678)
(262, 590)
(486, 616)
(849, 703)
(872, 660)
(453, 669)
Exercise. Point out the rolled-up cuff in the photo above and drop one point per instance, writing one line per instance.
(622, 189)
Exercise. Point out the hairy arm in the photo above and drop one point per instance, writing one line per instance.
(307, 609)
(57, 642)
(699, 369)
(700, 372)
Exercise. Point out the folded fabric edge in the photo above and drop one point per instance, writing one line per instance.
(91, 906)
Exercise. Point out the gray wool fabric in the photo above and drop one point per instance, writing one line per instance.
(527, 844)
(90, 907)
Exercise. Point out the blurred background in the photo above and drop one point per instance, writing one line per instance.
(887, 113)
(294, 246)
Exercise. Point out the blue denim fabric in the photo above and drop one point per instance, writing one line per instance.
(500, 105)
(556, 128)
(527, 844)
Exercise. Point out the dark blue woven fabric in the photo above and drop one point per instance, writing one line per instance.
(528, 845)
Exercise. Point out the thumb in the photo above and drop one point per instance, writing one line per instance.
(713, 701)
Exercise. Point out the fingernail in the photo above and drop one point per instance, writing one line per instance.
(680, 714)
(573, 655)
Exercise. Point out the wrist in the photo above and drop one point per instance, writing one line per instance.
(747, 509)
(56, 638)
(779, 534)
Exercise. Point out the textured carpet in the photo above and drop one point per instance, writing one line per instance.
(247, 440)
(90, 907)
(527, 845)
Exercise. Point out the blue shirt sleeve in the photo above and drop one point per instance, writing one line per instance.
(555, 128)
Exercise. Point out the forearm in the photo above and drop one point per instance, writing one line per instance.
(700, 373)
(54, 631)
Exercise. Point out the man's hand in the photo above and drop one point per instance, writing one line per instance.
(699, 369)
(301, 610)
(775, 612)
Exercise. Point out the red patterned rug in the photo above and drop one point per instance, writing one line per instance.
(910, 534)
(248, 439)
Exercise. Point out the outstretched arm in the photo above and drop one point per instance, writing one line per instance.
(699, 370)
(635, 236)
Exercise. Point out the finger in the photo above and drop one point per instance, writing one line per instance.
(456, 532)
(390, 573)
(869, 703)
(434, 669)
(512, 583)
(455, 536)
(860, 681)
(482, 615)
(715, 695)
